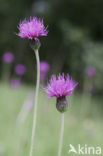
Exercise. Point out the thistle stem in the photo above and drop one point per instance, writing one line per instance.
(61, 135)
(35, 102)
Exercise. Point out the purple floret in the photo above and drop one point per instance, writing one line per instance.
(60, 86)
(32, 28)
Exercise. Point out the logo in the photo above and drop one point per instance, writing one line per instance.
(87, 150)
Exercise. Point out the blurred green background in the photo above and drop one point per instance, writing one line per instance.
(74, 43)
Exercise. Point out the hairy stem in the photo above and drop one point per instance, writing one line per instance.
(61, 135)
(35, 102)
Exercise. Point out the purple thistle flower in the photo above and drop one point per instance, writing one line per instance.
(8, 57)
(90, 71)
(32, 28)
(20, 69)
(60, 87)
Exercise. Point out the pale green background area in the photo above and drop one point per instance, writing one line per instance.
(83, 123)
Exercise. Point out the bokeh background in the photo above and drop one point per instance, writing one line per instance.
(74, 45)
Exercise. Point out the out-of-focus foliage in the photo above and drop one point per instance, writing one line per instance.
(75, 38)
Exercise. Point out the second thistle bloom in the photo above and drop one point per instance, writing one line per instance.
(60, 87)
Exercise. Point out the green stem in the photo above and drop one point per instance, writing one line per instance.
(35, 102)
(61, 135)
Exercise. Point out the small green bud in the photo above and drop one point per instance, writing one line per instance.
(35, 44)
(62, 104)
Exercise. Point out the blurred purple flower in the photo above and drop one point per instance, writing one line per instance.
(8, 57)
(20, 69)
(42, 76)
(44, 68)
(60, 86)
(90, 71)
(15, 83)
(32, 28)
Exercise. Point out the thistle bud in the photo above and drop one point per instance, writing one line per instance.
(62, 104)
(35, 44)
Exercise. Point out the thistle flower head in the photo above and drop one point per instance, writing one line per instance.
(60, 86)
(32, 28)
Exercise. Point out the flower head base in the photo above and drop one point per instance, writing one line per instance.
(32, 28)
(60, 87)
(62, 104)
